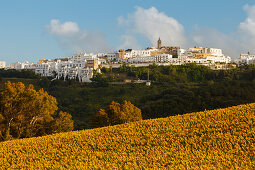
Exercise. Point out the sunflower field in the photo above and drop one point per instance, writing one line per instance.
(215, 139)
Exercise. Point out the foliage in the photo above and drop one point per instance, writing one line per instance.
(175, 56)
(117, 113)
(63, 122)
(100, 81)
(25, 112)
(10, 73)
(216, 139)
(190, 72)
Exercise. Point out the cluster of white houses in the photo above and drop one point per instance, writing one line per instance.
(246, 59)
(82, 66)
(169, 54)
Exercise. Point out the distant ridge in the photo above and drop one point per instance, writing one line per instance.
(222, 138)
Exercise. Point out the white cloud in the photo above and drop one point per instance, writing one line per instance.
(70, 36)
(152, 24)
(249, 24)
(246, 29)
(66, 28)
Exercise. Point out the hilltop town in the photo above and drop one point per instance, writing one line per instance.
(80, 66)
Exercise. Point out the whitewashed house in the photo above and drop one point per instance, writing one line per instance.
(2, 64)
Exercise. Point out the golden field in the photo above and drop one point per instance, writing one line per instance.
(222, 138)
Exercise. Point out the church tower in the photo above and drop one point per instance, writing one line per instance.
(159, 43)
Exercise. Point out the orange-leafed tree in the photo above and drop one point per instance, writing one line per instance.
(25, 112)
(117, 113)
(63, 122)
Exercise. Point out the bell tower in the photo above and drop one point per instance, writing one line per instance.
(159, 43)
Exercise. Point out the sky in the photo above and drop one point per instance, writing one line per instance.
(34, 29)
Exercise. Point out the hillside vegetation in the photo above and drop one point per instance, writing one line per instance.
(209, 139)
(174, 90)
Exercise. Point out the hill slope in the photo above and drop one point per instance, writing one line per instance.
(217, 138)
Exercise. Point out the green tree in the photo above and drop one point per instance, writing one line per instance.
(25, 112)
(117, 113)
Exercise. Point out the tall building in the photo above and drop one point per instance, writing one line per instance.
(121, 54)
(93, 64)
(159, 43)
(173, 50)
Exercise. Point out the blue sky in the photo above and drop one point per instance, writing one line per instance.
(33, 29)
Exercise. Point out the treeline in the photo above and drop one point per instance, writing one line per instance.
(12, 73)
(184, 98)
(181, 73)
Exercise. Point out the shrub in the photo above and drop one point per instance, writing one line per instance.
(117, 113)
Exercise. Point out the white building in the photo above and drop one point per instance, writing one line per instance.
(82, 74)
(2, 64)
(16, 66)
(85, 74)
(132, 56)
(215, 51)
(44, 69)
(164, 58)
(200, 50)
(209, 59)
(218, 59)
(112, 57)
(142, 59)
(196, 60)
(245, 59)
(19, 66)
(181, 52)
(159, 58)
(136, 53)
